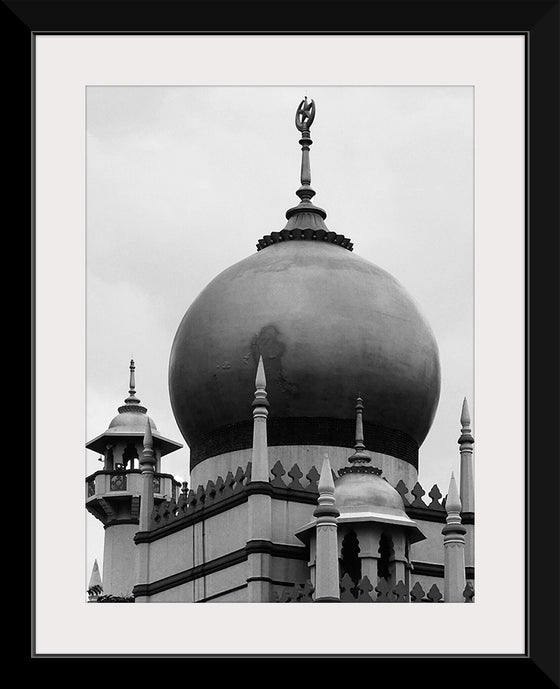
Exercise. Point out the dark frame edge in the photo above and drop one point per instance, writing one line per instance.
(542, 340)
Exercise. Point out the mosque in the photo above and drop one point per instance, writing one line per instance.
(304, 380)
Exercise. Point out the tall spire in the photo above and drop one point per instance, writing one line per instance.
(260, 470)
(360, 461)
(132, 384)
(132, 399)
(132, 403)
(360, 456)
(305, 114)
(305, 214)
(305, 221)
(259, 503)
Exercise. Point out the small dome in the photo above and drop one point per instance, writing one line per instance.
(363, 491)
(131, 422)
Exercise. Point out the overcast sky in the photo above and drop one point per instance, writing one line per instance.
(182, 182)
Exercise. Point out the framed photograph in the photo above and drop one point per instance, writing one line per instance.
(400, 181)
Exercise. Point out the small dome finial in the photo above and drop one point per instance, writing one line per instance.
(305, 221)
(132, 399)
(305, 114)
(360, 456)
(132, 385)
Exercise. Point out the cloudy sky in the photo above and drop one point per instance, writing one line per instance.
(182, 182)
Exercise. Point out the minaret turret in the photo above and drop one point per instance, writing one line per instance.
(113, 495)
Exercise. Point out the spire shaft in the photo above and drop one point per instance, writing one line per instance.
(132, 385)
(305, 114)
(132, 400)
(360, 455)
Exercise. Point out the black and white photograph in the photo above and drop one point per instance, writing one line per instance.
(281, 303)
(279, 310)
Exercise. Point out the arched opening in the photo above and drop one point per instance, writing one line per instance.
(351, 563)
(109, 458)
(129, 455)
(386, 554)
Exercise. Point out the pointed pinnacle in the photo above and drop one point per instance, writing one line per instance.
(326, 483)
(148, 438)
(95, 578)
(453, 502)
(260, 378)
(465, 416)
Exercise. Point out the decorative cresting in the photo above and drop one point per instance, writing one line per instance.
(305, 221)
(300, 593)
(296, 486)
(418, 595)
(132, 403)
(192, 502)
(365, 592)
(437, 502)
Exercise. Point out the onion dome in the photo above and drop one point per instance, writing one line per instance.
(326, 322)
(131, 422)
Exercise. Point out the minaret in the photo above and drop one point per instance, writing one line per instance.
(95, 586)
(259, 499)
(454, 546)
(326, 557)
(466, 442)
(113, 494)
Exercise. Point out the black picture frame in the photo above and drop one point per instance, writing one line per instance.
(539, 23)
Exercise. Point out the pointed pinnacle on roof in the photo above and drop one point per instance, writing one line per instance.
(453, 502)
(465, 415)
(466, 433)
(326, 483)
(148, 437)
(260, 386)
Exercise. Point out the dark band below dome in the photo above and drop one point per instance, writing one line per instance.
(305, 431)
